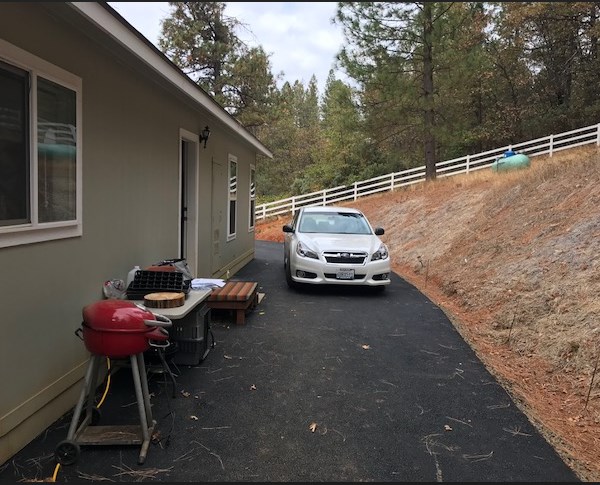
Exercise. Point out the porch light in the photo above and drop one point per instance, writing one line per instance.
(204, 135)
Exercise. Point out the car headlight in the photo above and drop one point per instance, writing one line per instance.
(381, 253)
(305, 251)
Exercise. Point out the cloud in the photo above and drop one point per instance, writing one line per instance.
(298, 37)
(144, 16)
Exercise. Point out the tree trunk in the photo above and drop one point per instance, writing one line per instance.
(429, 136)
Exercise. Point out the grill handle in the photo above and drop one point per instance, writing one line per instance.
(161, 321)
(162, 345)
(159, 337)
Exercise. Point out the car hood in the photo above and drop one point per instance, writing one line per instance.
(368, 243)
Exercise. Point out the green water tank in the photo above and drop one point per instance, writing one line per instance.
(510, 161)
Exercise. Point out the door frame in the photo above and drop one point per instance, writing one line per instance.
(189, 174)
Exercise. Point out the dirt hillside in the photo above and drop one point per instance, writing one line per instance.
(513, 259)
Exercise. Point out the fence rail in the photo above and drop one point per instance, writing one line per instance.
(540, 146)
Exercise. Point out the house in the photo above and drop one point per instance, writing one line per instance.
(104, 164)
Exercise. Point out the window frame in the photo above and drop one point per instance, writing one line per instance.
(252, 199)
(34, 231)
(232, 197)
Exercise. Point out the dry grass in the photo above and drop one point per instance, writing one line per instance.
(514, 260)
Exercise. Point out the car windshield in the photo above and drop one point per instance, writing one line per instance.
(334, 223)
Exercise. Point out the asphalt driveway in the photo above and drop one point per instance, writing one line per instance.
(332, 384)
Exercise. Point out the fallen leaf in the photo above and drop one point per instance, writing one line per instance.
(313, 427)
(366, 346)
(185, 393)
(447, 427)
(253, 387)
(228, 357)
(195, 418)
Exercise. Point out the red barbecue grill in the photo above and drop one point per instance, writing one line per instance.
(117, 329)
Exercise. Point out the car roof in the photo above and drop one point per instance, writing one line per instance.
(330, 208)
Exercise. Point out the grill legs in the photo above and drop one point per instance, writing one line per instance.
(86, 433)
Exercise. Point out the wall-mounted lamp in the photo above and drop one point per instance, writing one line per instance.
(204, 135)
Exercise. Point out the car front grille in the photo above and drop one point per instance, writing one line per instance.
(337, 257)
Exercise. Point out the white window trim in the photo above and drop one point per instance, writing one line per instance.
(232, 235)
(251, 198)
(35, 231)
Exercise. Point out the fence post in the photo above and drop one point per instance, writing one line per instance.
(598, 135)
(468, 163)
(324, 197)
(293, 204)
(551, 144)
(355, 190)
(392, 182)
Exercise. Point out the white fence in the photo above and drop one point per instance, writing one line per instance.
(470, 163)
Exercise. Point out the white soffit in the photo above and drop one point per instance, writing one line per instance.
(105, 21)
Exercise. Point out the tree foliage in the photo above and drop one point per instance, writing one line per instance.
(201, 40)
(428, 81)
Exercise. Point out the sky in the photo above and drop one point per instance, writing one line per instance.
(298, 37)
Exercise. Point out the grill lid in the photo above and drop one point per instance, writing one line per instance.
(117, 315)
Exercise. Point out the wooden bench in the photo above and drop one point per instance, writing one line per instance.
(235, 295)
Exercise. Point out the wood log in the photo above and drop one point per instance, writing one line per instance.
(165, 299)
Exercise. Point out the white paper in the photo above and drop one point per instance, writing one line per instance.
(204, 283)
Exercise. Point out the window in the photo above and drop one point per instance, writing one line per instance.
(14, 146)
(252, 204)
(232, 208)
(40, 150)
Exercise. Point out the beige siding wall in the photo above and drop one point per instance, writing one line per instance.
(130, 133)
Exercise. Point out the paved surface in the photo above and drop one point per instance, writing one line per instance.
(394, 391)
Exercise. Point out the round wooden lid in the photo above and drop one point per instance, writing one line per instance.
(165, 299)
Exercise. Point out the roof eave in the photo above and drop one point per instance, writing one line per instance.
(109, 21)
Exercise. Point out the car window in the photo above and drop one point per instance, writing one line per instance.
(334, 223)
(325, 226)
(354, 224)
(308, 224)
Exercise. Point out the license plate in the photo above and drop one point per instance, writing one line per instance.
(345, 274)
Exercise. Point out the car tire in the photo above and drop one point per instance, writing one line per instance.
(288, 276)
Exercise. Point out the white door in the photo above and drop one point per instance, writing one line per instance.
(217, 210)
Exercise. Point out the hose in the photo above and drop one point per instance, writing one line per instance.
(57, 467)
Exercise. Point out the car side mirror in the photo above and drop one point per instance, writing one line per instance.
(379, 231)
(288, 228)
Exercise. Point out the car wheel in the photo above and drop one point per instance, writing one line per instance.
(288, 276)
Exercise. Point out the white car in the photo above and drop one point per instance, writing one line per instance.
(334, 245)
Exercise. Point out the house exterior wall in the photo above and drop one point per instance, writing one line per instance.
(130, 167)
